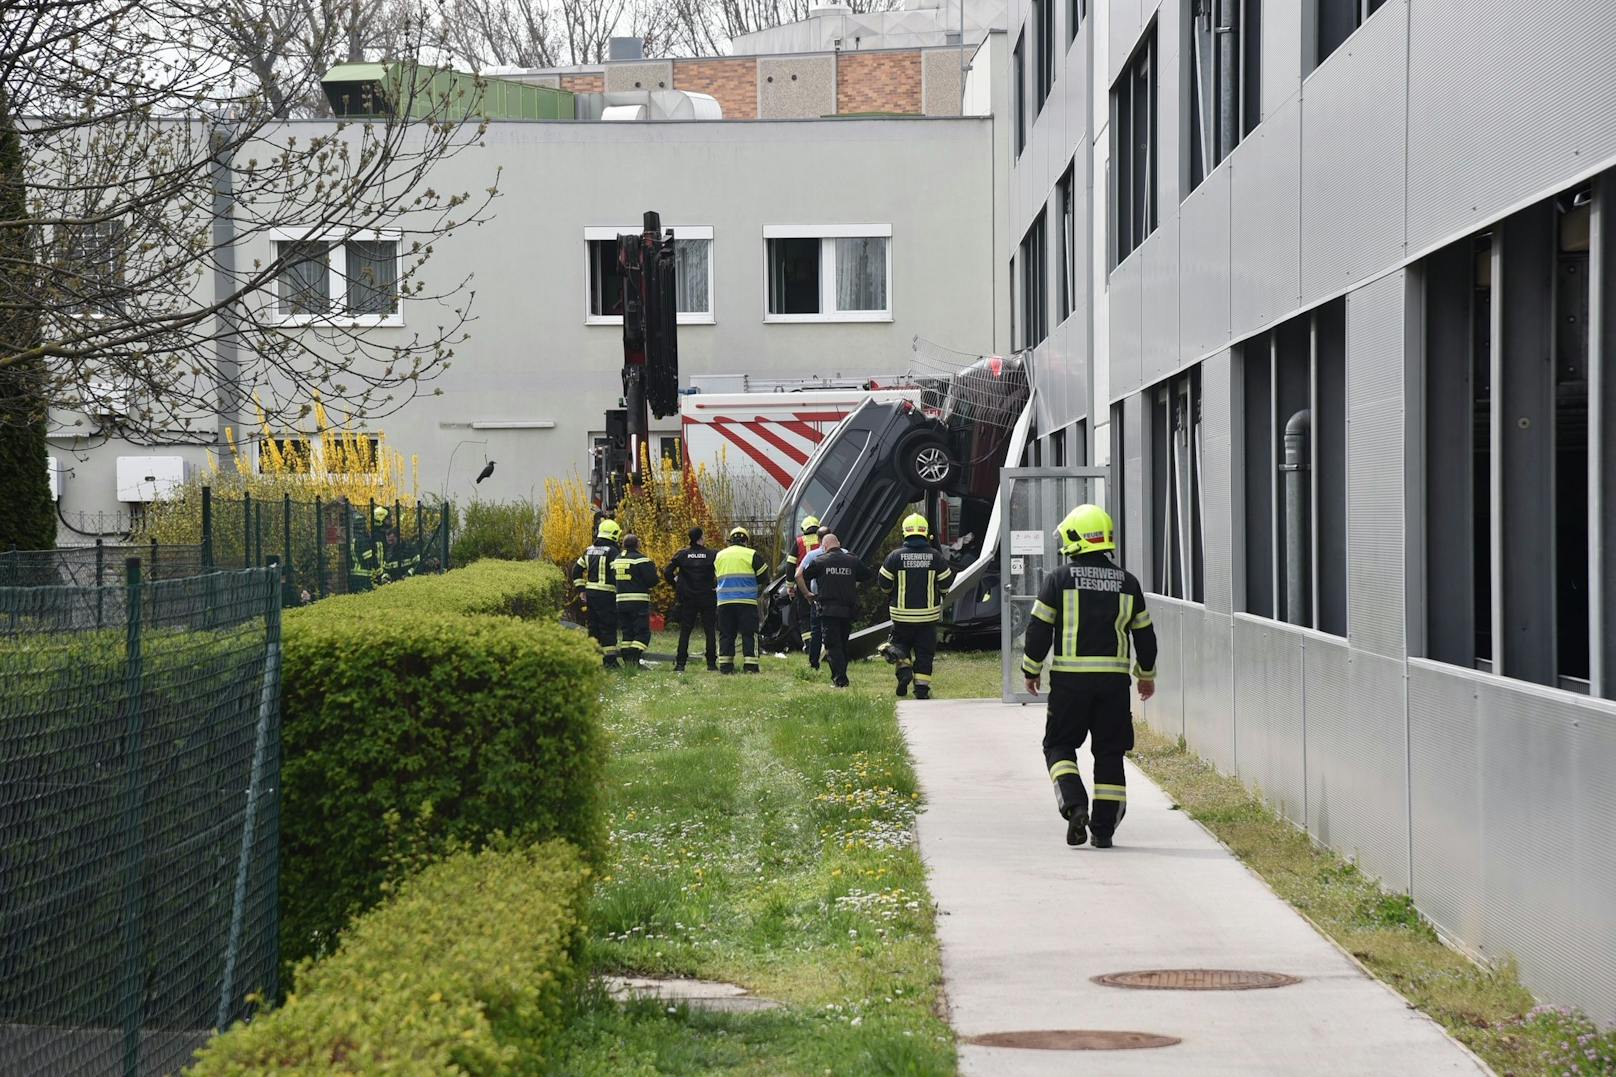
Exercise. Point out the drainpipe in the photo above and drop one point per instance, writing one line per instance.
(226, 363)
(1298, 543)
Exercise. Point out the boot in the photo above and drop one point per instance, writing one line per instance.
(1075, 825)
(922, 691)
(1102, 841)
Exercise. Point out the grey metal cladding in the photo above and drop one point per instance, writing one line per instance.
(1169, 101)
(1353, 155)
(1127, 293)
(1281, 55)
(1159, 303)
(1268, 685)
(1203, 285)
(1166, 709)
(1445, 798)
(1540, 879)
(1133, 499)
(1265, 221)
(1376, 555)
(1209, 714)
(1189, 661)
(1217, 464)
(1356, 800)
(1123, 23)
(1564, 52)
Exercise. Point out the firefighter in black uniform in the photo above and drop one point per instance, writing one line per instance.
(915, 577)
(593, 571)
(633, 574)
(837, 574)
(690, 573)
(1088, 609)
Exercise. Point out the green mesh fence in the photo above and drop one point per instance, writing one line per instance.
(139, 816)
(326, 547)
(96, 565)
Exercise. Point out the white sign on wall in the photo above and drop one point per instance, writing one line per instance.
(1018, 566)
(1027, 542)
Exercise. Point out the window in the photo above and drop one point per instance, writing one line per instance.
(671, 447)
(1335, 20)
(1223, 70)
(828, 273)
(1066, 196)
(93, 268)
(692, 272)
(1018, 79)
(1294, 449)
(1034, 286)
(1076, 11)
(1507, 439)
(1133, 150)
(285, 454)
(1176, 499)
(354, 280)
(1043, 20)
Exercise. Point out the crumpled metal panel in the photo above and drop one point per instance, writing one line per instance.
(1268, 687)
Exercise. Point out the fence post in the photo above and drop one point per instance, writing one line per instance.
(12, 579)
(268, 709)
(100, 563)
(443, 562)
(133, 839)
(207, 527)
(288, 594)
(153, 573)
(246, 531)
(319, 545)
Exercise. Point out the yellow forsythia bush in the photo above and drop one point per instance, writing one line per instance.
(465, 970)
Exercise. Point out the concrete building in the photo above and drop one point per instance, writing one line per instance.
(1377, 235)
(818, 246)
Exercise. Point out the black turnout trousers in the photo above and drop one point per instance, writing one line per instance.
(915, 644)
(690, 611)
(603, 622)
(634, 627)
(1096, 707)
(737, 618)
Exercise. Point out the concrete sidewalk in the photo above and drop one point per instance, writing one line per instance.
(1025, 921)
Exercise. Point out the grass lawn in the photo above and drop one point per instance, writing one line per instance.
(762, 834)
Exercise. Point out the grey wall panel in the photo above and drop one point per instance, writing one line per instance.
(1127, 293)
(1281, 55)
(1445, 796)
(1203, 286)
(1159, 303)
(1376, 557)
(1353, 156)
(1265, 220)
(1189, 660)
(1169, 102)
(1123, 23)
(1356, 800)
(1268, 686)
(1530, 141)
(796, 87)
(1165, 712)
(1210, 723)
(1217, 462)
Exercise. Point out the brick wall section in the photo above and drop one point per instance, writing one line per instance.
(878, 82)
(732, 82)
(595, 83)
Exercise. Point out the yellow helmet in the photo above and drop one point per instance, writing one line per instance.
(739, 534)
(378, 515)
(1086, 529)
(610, 530)
(810, 524)
(916, 524)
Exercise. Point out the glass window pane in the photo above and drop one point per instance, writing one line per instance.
(305, 278)
(692, 265)
(372, 276)
(605, 279)
(794, 276)
(861, 273)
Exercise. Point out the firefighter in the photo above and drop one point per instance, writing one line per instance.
(1089, 609)
(816, 635)
(593, 572)
(801, 547)
(367, 554)
(633, 575)
(741, 573)
(838, 575)
(915, 576)
(690, 574)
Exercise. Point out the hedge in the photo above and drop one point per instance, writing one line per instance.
(465, 970)
(528, 590)
(409, 732)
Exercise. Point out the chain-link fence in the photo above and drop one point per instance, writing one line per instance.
(98, 565)
(139, 816)
(325, 547)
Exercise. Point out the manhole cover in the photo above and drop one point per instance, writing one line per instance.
(1196, 979)
(1073, 1039)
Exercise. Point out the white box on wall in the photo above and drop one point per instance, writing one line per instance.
(149, 478)
(53, 469)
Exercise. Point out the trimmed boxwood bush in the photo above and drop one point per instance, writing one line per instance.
(529, 590)
(408, 732)
(465, 970)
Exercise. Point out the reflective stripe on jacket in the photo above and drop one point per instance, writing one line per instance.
(914, 576)
(741, 574)
(594, 567)
(633, 575)
(1090, 615)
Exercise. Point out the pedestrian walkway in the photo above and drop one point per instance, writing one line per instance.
(1025, 921)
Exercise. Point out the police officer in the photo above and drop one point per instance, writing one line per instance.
(837, 574)
(915, 577)
(690, 574)
(1088, 609)
(633, 574)
(593, 571)
(801, 610)
(741, 573)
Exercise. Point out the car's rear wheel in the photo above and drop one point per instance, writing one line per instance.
(923, 460)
